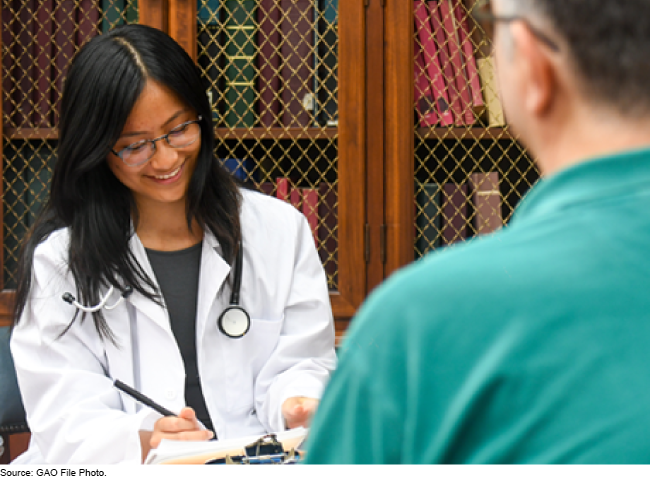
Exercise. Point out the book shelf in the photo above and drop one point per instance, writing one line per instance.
(359, 56)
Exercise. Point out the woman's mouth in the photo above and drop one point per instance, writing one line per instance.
(169, 175)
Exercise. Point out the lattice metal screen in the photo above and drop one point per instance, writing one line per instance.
(39, 38)
(270, 68)
(470, 171)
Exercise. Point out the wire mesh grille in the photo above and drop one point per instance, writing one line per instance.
(470, 171)
(39, 39)
(270, 68)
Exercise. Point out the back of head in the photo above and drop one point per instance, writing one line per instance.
(608, 42)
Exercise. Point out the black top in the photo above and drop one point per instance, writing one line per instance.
(177, 273)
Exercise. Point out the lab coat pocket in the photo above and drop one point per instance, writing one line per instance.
(247, 356)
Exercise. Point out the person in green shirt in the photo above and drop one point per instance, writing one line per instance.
(531, 345)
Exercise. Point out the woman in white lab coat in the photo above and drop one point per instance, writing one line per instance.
(140, 206)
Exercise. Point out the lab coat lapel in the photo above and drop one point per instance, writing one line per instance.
(214, 271)
(149, 308)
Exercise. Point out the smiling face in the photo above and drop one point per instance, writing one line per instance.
(164, 179)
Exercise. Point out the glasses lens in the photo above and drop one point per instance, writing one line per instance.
(184, 135)
(138, 153)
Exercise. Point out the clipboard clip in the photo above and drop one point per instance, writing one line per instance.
(266, 450)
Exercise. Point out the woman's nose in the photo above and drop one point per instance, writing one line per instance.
(165, 157)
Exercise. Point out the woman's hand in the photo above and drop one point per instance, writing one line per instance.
(183, 427)
(297, 411)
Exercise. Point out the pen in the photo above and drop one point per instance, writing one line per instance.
(142, 399)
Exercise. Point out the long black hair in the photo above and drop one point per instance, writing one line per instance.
(104, 81)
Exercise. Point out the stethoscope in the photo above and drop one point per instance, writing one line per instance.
(234, 321)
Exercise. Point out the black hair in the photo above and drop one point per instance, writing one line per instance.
(608, 42)
(105, 79)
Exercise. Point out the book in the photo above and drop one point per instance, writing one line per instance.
(454, 213)
(240, 35)
(209, 56)
(267, 188)
(449, 74)
(42, 93)
(425, 106)
(494, 109)
(427, 218)
(23, 69)
(471, 69)
(328, 232)
(87, 21)
(242, 168)
(268, 62)
(326, 64)
(296, 61)
(465, 115)
(431, 62)
(310, 210)
(131, 11)
(283, 188)
(486, 198)
(8, 82)
(295, 197)
(64, 49)
(201, 452)
(112, 11)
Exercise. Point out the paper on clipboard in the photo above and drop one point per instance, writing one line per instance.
(183, 452)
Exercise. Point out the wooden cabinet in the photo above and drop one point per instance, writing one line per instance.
(371, 159)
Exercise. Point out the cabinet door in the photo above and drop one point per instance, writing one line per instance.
(447, 180)
(286, 81)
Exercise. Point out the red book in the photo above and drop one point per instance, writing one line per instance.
(295, 197)
(448, 69)
(268, 188)
(486, 199)
(268, 40)
(328, 232)
(465, 115)
(296, 62)
(42, 93)
(424, 103)
(64, 48)
(423, 29)
(282, 188)
(87, 21)
(454, 213)
(8, 99)
(310, 210)
(471, 70)
(23, 68)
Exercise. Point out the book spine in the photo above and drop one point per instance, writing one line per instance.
(64, 46)
(428, 218)
(327, 71)
(467, 47)
(310, 210)
(424, 102)
(490, 92)
(242, 168)
(240, 66)
(112, 14)
(295, 197)
(43, 90)
(87, 21)
(486, 198)
(454, 213)
(8, 38)
(328, 232)
(23, 69)
(268, 40)
(296, 61)
(432, 63)
(441, 39)
(465, 115)
(267, 188)
(210, 53)
(282, 188)
(131, 11)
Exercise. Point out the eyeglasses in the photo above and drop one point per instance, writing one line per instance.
(486, 19)
(140, 152)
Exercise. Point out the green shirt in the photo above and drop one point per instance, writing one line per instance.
(531, 345)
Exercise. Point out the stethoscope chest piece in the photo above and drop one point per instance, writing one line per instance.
(234, 322)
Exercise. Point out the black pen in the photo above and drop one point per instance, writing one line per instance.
(142, 399)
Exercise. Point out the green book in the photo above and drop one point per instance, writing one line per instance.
(131, 11)
(209, 56)
(427, 218)
(240, 34)
(112, 11)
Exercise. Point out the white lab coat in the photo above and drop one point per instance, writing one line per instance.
(76, 415)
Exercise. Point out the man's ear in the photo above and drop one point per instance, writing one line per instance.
(536, 70)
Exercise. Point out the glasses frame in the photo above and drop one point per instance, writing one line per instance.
(483, 13)
(120, 153)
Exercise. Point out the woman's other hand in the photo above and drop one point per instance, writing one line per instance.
(297, 411)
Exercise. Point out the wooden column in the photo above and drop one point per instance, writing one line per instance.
(182, 24)
(153, 13)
